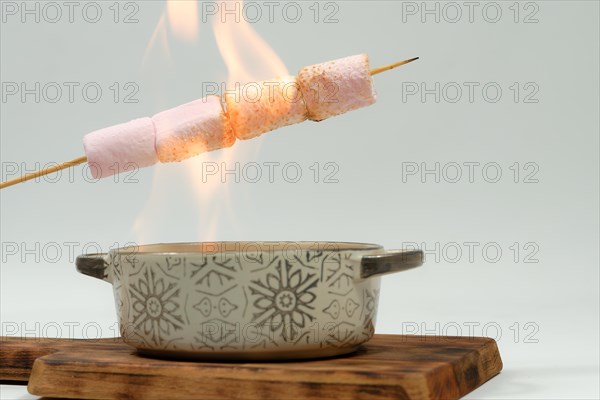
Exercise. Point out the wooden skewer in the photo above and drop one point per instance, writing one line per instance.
(81, 160)
(42, 172)
(379, 70)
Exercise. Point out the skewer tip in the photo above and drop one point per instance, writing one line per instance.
(379, 70)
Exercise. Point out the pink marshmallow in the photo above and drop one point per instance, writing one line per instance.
(120, 148)
(193, 128)
(335, 87)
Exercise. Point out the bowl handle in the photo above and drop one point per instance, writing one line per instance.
(94, 265)
(389, 262)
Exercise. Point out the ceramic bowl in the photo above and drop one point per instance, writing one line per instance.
(247, 300)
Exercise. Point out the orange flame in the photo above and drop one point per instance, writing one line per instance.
(183, 18)
(248, 57)
(241, 47)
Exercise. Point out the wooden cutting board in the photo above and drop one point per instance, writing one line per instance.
(387, 367)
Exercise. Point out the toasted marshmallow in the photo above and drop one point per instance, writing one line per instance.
(259, 107)
(335, 87)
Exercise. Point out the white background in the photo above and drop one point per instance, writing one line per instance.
(539, 297)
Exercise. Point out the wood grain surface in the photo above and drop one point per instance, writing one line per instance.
(387, 367)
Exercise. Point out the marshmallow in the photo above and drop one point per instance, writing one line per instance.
(335, 87)
(260, 107)
(193, 128)
(120, 148)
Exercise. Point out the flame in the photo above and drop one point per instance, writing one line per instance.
(248, 57)
(183, 18)
(159, 33)
(242, 48)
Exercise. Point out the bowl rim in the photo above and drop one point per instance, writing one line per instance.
(222, 247)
